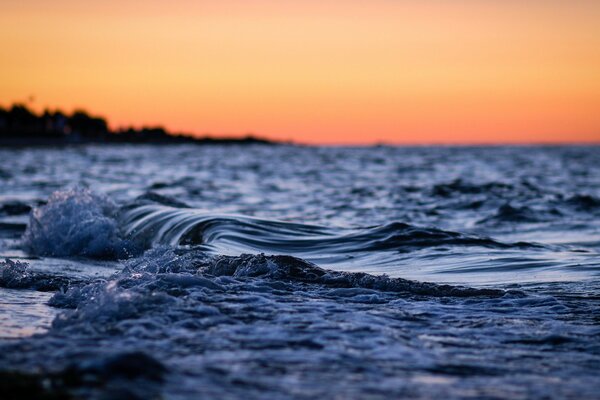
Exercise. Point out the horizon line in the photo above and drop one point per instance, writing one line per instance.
(251, 133)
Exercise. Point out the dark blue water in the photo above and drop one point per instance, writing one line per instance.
(290, 272)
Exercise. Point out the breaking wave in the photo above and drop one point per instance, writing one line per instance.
(152, 225)
(76, 222)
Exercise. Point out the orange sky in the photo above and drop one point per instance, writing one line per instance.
(315, 71)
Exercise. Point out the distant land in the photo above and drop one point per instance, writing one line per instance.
(19, 126)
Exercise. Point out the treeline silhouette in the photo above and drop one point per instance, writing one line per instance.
(21, 126)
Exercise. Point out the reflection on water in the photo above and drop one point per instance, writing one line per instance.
(24, 313)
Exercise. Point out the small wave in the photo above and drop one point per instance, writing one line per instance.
(285, 268)
(508, 213)
(75, 222)
(458, 186)
(151, 197)
(163, 273)
(153, 225)
(584, 202)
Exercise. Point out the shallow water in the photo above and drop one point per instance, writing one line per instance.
(416, 272)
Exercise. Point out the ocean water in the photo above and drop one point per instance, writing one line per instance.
(182, 272)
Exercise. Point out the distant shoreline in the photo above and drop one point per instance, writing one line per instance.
(15, 142)
(20, 127)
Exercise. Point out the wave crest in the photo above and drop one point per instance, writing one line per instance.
(152, 225)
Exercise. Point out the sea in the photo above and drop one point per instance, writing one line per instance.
(299, 272)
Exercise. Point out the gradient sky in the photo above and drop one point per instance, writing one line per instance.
(315, 71)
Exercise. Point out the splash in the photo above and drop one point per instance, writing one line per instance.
(76, 222)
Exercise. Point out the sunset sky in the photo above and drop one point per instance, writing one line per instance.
(314, 71)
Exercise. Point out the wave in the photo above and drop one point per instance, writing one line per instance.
(76, 222)
(284, 268)
(584, 202)
(174, 273)
(458, 187)
(509, 214)
(152, 225)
